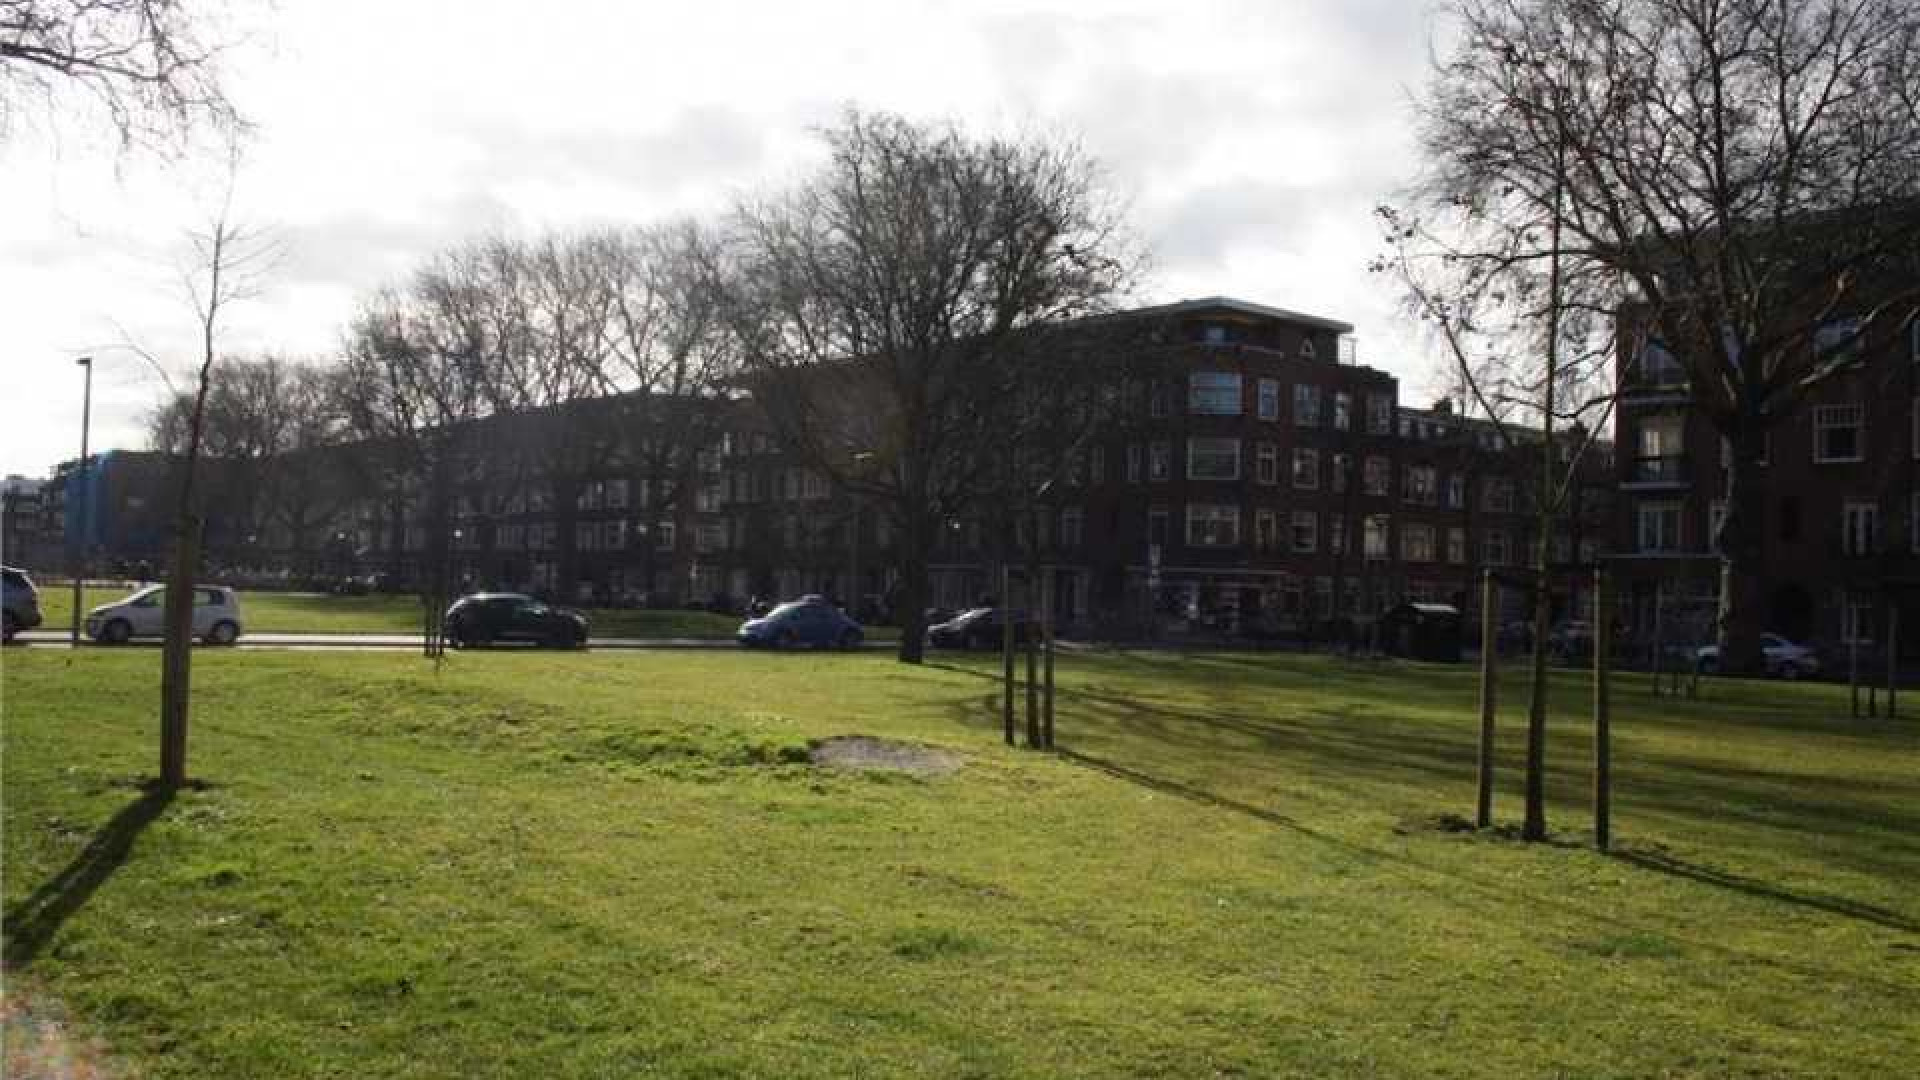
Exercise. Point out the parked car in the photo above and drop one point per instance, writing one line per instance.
(1781, 659)
(22, 601)
(216, 616)
(484, 618)
(980, 628)
(809, 621)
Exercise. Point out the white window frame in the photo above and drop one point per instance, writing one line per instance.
(1214, 448)
(1305, 465)
(1266, 463)
(1306, 405)
(1376, 537)
(1828, 418)
(1384, 474)
(1215, 393)
(1225, 515)
(1267, 398)
(1266, 530)
(1417, 543)
(1859, 527)
(1658, 512)
(1303, 523)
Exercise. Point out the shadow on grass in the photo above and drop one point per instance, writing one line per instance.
(1832, 905)
(32, 923)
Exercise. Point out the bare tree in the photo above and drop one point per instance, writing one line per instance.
(418, 371)
(146, 65)
(271, 423)
(671, 361)
(1731, 179)
(884, 310)
(228, 265)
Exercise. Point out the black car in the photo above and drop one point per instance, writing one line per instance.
(484, 618)
(981, 628)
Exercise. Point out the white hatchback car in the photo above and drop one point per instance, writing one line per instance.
(216, 616)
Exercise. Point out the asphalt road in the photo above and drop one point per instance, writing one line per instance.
(390, 642)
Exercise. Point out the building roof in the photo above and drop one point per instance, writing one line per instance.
(1242, 307)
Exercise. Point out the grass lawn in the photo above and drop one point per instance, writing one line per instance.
(320, 613)
(613, 865)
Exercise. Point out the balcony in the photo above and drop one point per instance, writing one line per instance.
(1656, 472)
(1656, 388)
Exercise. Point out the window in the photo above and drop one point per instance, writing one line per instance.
(1837, 342)
(1374, 537)
(613, 535)
(1159, 461)
(1212, 526)
(1342, 473)
(617, 493)
(1859, 527)
(1658, 527)
(1378, 478)
(1379, 414)
(1457, 546)
(1306, 405)
(1097, 465)
(1836, 432)
(1336, 534)
(1305, 536)
(1075, 467)
(1213, 459)
(1343, 411)
(1495, 548)
(1269, 399)
(664, 536)
(1267, 463)
(1071, 527)
(1856, 623)
(1157, 527)
(708, 498)
(709, 539)
(586, 536)
(1416, 543)
(1422, 485)
(1157, 403)
(1213, 393)
(1306, 468)
(1659, 368)
(1213, 333)
(1266, 534)
(1497, 496)
(1456, 491)
(1133, 463)
(1306, 348)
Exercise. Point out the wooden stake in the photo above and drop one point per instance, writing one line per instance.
(1489, 690)
(1602, 722)
(1033, 658)
(1046, 629)
(1006, 651)
(1893, 655)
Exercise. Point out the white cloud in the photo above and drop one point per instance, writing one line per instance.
(1252, 139)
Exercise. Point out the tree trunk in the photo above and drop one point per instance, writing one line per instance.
(912, 608)
(176, 660)
(1742, 559)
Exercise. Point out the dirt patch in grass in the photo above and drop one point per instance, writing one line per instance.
(867, 752)
(40, 1044)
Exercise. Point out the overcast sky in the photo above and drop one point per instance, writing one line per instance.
(1251, 139)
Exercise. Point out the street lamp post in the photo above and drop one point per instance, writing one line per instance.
(86, 495)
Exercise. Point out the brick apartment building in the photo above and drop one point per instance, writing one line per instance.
(1270, 482)
(1841, 524)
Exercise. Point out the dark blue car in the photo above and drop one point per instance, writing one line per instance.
(808, 622)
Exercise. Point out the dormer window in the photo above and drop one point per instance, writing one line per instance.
(1306, 348)
(1213, 334)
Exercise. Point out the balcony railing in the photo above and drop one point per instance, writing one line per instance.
(1658, 469)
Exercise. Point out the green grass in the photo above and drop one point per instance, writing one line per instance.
(319, 613)
(613, 865)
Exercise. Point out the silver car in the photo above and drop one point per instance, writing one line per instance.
(22, 601)
(216, 616)
(1780, 658)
